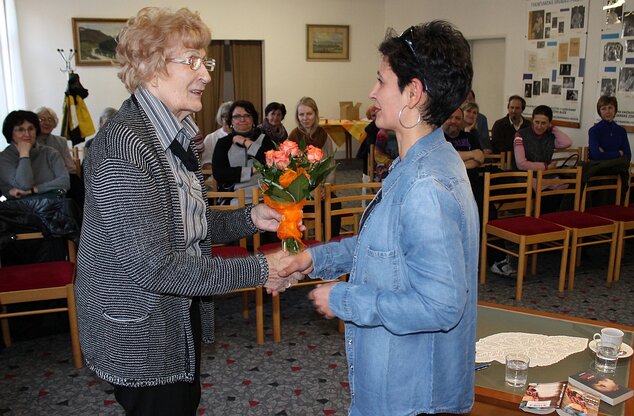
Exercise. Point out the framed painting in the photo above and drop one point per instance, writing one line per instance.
(327, 43)
(95, 40)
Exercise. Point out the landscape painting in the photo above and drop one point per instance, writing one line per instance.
(327, 42)
(95, 40)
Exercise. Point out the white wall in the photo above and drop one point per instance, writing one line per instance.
(46, 26)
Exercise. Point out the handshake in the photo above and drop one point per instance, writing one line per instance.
(286, 269)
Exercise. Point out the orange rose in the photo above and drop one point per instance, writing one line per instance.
(269, 155)
(279, 159)
(314, 154)
(290, 148)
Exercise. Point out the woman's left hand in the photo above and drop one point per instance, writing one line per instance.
(321, 298)
(265, 218)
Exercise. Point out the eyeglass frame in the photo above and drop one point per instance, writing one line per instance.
(210, 64)
(20, 129)
(407, 37)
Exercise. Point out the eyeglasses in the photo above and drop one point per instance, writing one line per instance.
(241, 117)
(47, 119)
(408, 39)
(195, 62)
(22, 130)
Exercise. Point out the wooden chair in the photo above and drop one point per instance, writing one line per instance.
(371, 162)
(38, 282)
(561, 156)
(353, 198)
(240, 250)
(531, 235)
(77, 160)
(623, 216)
(585, 229)
(312, 236)
(495, 160)
(629, 196)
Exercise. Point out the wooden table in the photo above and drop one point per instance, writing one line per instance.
(494, 397)
(342, 132)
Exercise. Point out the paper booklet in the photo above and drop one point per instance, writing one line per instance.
(560, 397)
(607, 389)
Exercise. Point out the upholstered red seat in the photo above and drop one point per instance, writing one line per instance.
(576, 219)
(36, 276)
(613, 212)
(525, 225)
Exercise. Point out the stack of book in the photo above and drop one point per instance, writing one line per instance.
(580, 395)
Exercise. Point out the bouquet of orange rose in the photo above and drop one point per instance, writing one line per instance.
(291, 173)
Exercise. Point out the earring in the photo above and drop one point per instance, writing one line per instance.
(400, 113)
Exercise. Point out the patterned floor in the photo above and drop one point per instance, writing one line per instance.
(305, 374)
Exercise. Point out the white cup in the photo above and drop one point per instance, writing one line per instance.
(610, 335)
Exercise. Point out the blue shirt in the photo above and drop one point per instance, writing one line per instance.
(610, 137)
(410, 303)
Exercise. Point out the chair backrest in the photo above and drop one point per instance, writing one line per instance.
(600, 183)
(507, 188)
(629, 196)
(77, 160)
(497, 160)
(566, 181)
(311, 220)
(236, 197)
(566, 156)
(371, 162)
(353, 197)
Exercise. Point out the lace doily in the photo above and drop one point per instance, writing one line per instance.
(543, 350)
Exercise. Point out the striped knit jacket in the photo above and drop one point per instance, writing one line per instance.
(134, 281)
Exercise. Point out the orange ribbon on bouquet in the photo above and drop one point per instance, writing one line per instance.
(291, 217)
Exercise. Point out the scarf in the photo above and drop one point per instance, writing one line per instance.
(277, 133)
(317, 138)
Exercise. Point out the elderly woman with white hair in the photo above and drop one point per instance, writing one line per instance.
(222, 118)
(145, 267)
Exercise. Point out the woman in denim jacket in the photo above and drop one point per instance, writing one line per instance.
(410, 303)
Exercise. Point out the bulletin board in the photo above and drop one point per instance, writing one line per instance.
(555, 56)
(616, 63)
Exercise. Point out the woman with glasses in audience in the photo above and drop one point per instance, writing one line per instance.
(26, 167)
(145, 266)
(234, 154)
(410, 303)
(209, 144)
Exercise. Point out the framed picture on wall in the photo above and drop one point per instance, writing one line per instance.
(327, 43)
(95, 40)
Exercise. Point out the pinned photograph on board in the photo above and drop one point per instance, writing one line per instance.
(536, 24)
(577, 16)
(555, 89)
(565, 69)
(612, 51)
(608, 87)
(626, 80)
(528, 90)
(537, 87)
(545, 85)
(569, 82)
(561, 27)
(613, 15)
(630, 46)
(628, 24)
(572, 95)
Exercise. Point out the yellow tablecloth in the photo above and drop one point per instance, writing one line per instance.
(354, 128)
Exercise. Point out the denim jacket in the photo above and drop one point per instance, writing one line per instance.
(410, 303)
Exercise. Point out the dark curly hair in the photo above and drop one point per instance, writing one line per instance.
(439, 56)
(248, 107)
(15, 118)
(272, 106)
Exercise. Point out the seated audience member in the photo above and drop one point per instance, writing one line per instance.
(48, 122)
(534, 146)
(27, 168)
(234, 154)
(222, 118)
(272, 126)
(308, 130)
(504, 129)
(370, 137)
(385, 151)
(481, 124)
(606, 139)
(106, 114)
(468, 147)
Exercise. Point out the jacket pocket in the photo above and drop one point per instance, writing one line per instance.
(127, 340)
(382, 269)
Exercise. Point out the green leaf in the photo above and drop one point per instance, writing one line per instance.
(279, 195)
(297, 187)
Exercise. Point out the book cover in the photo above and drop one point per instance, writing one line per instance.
(542, 398)
(578, 402)
(607, 389)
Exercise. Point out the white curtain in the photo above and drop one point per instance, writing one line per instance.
(11, 81)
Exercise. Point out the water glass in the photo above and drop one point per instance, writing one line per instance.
(516, 374)
(606, 357)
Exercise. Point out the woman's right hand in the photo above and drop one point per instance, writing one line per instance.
(24, 147)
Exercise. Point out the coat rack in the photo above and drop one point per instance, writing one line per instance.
(67, 60)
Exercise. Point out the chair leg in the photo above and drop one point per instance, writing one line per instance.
(612, 258)
(245, 306)
(483, 258)
(277, 319)
(74, 331)
(573, 261)
(259, 315)
(534, 261)
(521, 270)
(6, 332)
(341, 327)
(564, 262)
(619, 252)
